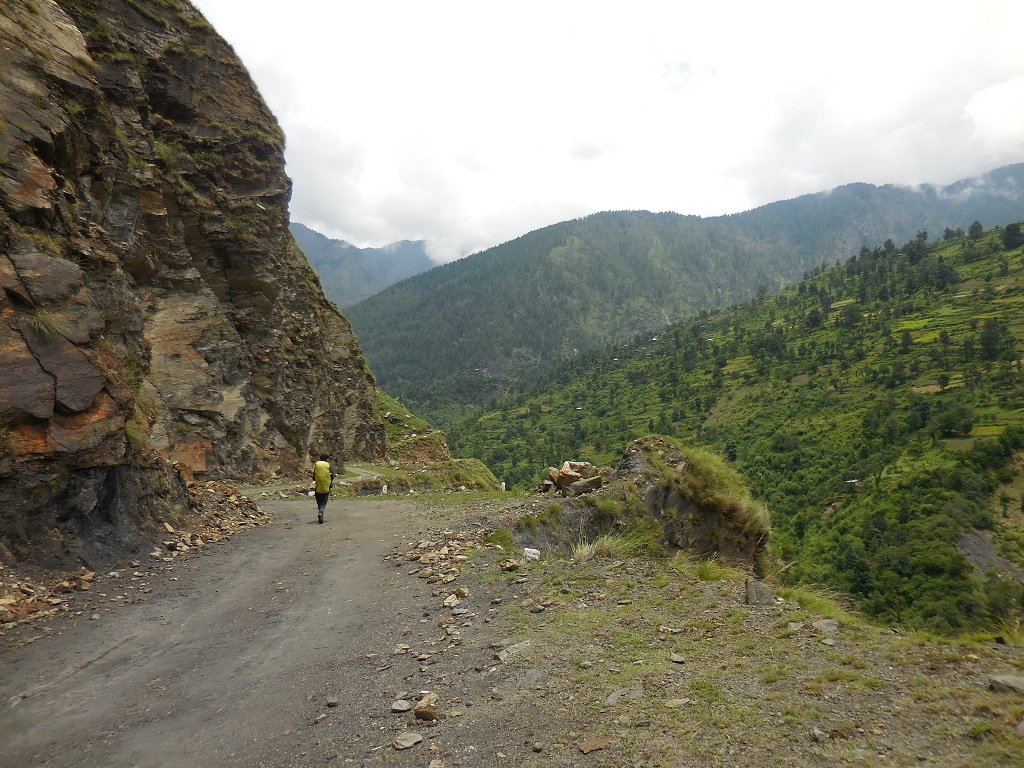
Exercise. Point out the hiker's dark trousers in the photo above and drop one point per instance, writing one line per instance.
(321, 501)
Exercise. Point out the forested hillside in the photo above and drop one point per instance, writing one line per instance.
(350, 274)
(875, 406)
(470, 330)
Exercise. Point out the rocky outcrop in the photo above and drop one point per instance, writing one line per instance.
(981, 553)
(663, 493)
(154, 309)
(574, 478)
(702, 504)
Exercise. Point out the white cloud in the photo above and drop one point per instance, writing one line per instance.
(997, 117)
(468, 123)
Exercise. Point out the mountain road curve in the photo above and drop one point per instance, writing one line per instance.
(234, 657)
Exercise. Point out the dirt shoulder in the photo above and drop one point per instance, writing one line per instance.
(662, 662)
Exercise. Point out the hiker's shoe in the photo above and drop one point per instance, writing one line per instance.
(320, 517)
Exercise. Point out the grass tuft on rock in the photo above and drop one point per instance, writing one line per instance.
(709, 481)
(712, 570)
(43, 324)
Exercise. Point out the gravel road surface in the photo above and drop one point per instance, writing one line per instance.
(231, 660)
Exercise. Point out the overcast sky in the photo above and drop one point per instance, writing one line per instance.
(468, 123)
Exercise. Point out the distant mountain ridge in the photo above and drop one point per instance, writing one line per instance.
(468, 330)
(872, 214)
(350, 274)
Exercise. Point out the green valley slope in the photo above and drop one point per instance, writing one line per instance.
(469, 330)
(874, 406)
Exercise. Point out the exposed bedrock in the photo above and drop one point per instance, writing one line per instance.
(154, 309)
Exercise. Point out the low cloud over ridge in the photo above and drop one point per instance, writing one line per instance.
(465, 125)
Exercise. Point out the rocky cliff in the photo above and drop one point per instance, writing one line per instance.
(155, 313)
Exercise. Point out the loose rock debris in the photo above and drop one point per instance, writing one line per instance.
(219, 511)
(440, 561)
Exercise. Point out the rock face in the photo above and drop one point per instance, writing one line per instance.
(698, 503)
(702, 504)
(154, 309)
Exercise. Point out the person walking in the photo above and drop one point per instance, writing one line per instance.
(324, 479)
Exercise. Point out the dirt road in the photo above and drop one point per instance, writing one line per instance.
(232, 663)
(236, 655)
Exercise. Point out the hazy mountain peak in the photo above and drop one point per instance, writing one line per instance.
(349, 273)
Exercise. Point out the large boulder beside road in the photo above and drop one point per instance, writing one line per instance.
(573, 478)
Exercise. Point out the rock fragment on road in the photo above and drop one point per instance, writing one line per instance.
(406, 740)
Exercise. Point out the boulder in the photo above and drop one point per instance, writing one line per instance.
(1007, 684)
(759, 593)
(568, 475)
(586, 485)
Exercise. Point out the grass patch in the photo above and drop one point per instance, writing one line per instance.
(46, 241)
(84, 65)
(638, 540)
(43, 323)
(824, 602)
(171, 155)
(501, 538)
(607, 546)
(775, 672)
(135, 432)
(712, 570)
(550, 518)
(959, 445)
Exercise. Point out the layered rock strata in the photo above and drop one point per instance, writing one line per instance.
(154, 310)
